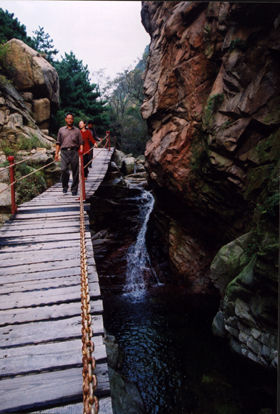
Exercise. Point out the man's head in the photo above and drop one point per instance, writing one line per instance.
(69, 119)
(90, 124)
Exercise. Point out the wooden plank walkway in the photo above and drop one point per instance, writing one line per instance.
(40, 303)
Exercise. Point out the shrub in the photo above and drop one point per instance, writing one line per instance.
(31, 186)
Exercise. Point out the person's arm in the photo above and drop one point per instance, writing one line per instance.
(92, 140)
(81, 142)
(57, 148)
(56, 152)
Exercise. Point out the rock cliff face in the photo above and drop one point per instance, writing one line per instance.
(212, 95)
(36, 80)
(26, 102)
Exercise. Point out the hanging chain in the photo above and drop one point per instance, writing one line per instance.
(90, 401)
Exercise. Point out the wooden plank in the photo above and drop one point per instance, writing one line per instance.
(20, 258)
(46, 297)
(35, 358)
(38, 267)
(38, 332)
(40, 259)
(44, 223)
(105, 407)
(31, 285)
(36, 247)
(36, 390)
(41, 313)
(35, 216)
(39, 239)
(30, 231)
(51, 274)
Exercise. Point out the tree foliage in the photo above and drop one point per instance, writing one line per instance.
(44, 44)
(77, 94)
(111, 104)
(125, 97)
(11, 28)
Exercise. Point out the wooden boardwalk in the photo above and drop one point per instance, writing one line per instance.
(40, 303)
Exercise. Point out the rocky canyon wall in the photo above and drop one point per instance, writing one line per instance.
(29, 94)
(212, 95)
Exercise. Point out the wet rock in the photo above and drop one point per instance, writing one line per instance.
(128, 165)
(229, 261)
(125, 395)
(212, 95)
(118, 158)
(114, 354)
(5, 199)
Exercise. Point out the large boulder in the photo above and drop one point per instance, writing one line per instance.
(33, 73)
(118, 158)
(128, 165)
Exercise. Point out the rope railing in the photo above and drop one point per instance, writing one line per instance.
(107, 136)
(17, 163)
(12, 165)
(22, 178)
(90, 401)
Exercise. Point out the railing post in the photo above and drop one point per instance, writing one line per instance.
(109, 139)
(11, 160)
(82, 176)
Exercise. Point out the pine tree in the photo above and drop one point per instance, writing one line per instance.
(44, 44)
(78, 95)
(11, 28)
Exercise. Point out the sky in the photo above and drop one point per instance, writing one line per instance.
(103, 34)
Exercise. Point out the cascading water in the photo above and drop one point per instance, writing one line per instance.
(169, 350)
(138, 260)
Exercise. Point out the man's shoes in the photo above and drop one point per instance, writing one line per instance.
(64, 190)
(74, 193)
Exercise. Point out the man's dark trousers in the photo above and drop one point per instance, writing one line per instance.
(70, 157)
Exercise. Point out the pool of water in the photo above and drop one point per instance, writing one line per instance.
(169, 350)
(177, 363)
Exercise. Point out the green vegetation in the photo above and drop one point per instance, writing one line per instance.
(29, 144)
(22, 144)
(212, 106)
(7, 150)
(238, 44)
(270, 206)
(78, 95)
(5, 69)
(114, 105)
(31, 186)
(125, 96)
(11, 28)
(44, 44)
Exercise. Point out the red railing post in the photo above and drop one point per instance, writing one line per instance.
(108, 140)
(82, 175)
(11, 160)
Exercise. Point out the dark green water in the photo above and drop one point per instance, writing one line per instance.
(177, 363)
(179, 366)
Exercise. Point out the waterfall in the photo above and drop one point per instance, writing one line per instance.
(138, 260)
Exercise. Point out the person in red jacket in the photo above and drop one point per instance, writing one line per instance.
(87, 137)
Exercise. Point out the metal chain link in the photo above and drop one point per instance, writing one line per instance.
(91, 405)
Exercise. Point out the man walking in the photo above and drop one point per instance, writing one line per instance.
(69, 141)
